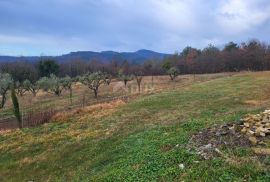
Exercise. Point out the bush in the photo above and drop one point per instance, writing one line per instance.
(16, 107)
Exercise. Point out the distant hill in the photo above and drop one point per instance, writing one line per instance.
(104, 56)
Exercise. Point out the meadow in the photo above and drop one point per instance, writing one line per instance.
(143, 138)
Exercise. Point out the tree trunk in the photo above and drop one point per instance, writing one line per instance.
(96, 93)
(3, 101)
(139, 86)
(70, 96)
(34, 93)
(152, 81)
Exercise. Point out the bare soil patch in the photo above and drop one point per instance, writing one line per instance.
(209, 141)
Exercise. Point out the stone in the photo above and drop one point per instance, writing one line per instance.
(261, 151)
(256, 125)
(250, 132)
(207, 147)
(244, 130)
(253, 140)
(181, 166)
(246, 125)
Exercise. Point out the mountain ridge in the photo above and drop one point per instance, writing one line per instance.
(139, 56)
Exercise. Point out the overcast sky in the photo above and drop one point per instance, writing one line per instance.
(53, 27)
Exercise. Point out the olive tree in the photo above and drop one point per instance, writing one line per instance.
(124, 77)
(67, 84)
(94, 80)
(5, 84)
(20, 89)
(139, 76)
(173, 73)
(44, 84)
(31, 87)
(51, 84)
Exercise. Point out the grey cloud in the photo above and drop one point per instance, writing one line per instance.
(60, 26)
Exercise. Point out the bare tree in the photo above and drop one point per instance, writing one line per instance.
(94, 80)
(124, 77)
(139, 76)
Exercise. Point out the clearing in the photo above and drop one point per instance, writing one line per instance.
(145, 139)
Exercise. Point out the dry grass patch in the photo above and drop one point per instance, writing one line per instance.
(96, 111)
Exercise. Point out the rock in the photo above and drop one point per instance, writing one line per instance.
(250, 132)
(207, 147)
(232, 128)
(256, 125)
(218, 151)
(246, 125)
(261, 151)
(253, 140)
(262, 143)
(244, 130)
(181, 166)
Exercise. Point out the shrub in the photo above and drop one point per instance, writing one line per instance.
(16, 107)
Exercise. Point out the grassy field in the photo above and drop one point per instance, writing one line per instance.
(142, 140)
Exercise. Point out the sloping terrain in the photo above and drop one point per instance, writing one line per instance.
(142, 140)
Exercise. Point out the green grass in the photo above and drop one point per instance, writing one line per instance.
(144, 140)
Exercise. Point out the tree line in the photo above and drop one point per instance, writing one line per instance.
(250, 56)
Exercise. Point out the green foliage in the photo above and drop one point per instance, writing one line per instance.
(16, 107)
(173, 72)
(53, 84)
(5, 84)
(124, 77)
(94, 80)
(231, 46)
(48, 67)
(44, 83)
(31, 87)
(166, 65)
(67, 84)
